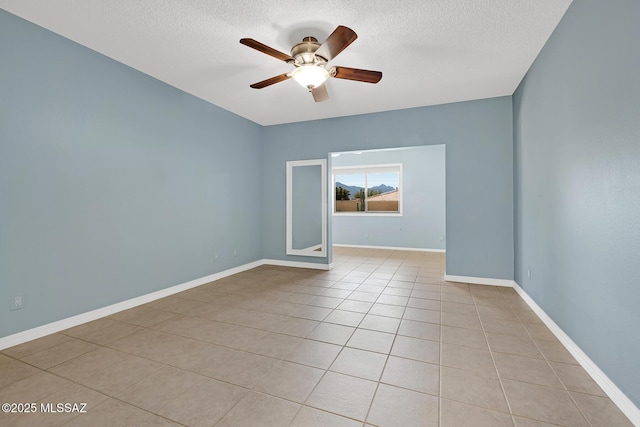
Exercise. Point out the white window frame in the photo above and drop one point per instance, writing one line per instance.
(367, 169)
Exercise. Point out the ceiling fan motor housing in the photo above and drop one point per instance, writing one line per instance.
(304, 52)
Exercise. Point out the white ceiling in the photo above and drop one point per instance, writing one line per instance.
(430, 51)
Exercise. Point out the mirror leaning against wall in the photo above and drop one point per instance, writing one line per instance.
(307, 208)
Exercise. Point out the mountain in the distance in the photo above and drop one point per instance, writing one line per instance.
(354, 189)
(383, 188)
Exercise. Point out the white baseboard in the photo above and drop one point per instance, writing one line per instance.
(69, 322)
(615, 394)
(297, 264)
(391, 248)
(479, 280)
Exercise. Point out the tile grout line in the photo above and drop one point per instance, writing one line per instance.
(495, 365)
(108, 396)
(388, 355)
(151, 327)
(327, 370)
(564, 387)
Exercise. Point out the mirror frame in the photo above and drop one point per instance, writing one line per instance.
(323, 205)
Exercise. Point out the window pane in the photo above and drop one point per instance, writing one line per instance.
(362, 189)
(348, 189)
(383, 193)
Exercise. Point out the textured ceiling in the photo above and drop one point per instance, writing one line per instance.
(430, 51)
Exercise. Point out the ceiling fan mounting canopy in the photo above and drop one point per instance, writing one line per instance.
(310, 59)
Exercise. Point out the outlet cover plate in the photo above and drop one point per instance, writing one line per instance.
(16, 302)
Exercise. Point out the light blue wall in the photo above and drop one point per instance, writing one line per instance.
(577, 183)
(112, 184)
(422, 224)
(479, 173)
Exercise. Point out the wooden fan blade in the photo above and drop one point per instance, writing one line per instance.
(320, 93)
(266, 49)
(336, 42)
(366, 76)
(271, 81)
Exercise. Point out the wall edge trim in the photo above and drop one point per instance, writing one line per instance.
(479, 280)
(392, 248)
(297, 264)
(616, 395)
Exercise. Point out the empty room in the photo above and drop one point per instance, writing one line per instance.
(355, 213)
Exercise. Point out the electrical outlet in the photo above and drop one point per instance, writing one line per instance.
(235, 252)
(529, 273)
(215, 256)
(17, 302)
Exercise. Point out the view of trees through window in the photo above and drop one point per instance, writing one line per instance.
(368, 189)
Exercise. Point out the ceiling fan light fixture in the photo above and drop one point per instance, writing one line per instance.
(310, 76)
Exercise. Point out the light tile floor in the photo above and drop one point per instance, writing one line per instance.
(379, 340)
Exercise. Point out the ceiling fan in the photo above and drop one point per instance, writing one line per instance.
(310, 60)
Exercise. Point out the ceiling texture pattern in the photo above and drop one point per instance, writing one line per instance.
(430, 51)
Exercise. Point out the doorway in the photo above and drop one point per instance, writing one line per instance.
(388, 198)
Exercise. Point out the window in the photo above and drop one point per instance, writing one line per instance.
(362, 190)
